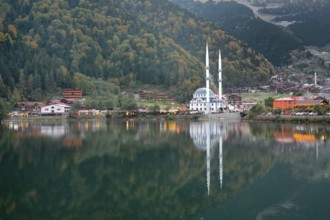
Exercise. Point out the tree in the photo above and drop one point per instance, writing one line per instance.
(319, 109)
(82, 82)
(269, 102)
(298, 93)
(256, 110)
(128, 104)
(155, 108)
(4, 109)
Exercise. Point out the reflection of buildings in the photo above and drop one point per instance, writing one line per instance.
(71, 136)
(200, 131)
(300, 139)
(205, 135)
(161, 125)
(299, 135)
(54, 131)
(72, 141)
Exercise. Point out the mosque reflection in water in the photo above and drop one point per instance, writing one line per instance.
(190, 167)
(207, 136)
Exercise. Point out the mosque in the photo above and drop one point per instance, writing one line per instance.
(204, 100)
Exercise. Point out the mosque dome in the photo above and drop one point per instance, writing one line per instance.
(201, 92)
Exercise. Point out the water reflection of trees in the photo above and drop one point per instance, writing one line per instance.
(128, 170)
(119, 172)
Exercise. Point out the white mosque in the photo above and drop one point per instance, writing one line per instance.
(204, 100)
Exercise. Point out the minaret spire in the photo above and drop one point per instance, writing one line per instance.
(207, 80)
(315, 84)
(220, 76)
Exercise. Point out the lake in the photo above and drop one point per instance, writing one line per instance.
(158, 169)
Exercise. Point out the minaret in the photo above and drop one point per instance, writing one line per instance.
(207, 80)
(220, 76)
(315, 79)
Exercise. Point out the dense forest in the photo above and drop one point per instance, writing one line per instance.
(311, 20)
(47, 45)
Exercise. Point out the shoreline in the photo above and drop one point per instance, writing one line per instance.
(289, 119)
(222, 116)
(54, 119)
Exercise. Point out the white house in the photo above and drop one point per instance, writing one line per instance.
(55, 109)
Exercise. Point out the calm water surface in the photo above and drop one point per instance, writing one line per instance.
(161, 169)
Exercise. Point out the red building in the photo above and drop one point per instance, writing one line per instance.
(72, 94)
(284, 103)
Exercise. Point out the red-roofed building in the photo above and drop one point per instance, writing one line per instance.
(72, 94)
(284, 103)
(310, 102)
(30, 107)
(55, 109)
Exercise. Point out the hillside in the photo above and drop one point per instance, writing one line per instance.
(48, 45)
(274, 42)
(309, 21)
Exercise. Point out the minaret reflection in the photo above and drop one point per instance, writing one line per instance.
(205, 135)
(220, 162)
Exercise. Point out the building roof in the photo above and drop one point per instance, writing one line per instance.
(58, 104)
(309, 102)
(202, 91)
(30, 104)
(284, 99)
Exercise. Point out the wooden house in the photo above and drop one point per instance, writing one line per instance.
(29, 107)
(234, 100)
(72, 94)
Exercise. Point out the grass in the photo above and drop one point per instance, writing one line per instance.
(261, 96)
(161, 105)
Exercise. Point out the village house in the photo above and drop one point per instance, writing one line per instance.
(296, 102)
(310, 102)
(234, 100)
(145, 94)
(284, 103)
(29, 108)
(55, 109)
(72, 94)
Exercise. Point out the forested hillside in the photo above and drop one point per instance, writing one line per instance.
(310, 20)
(46, 45)
(274, 42)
